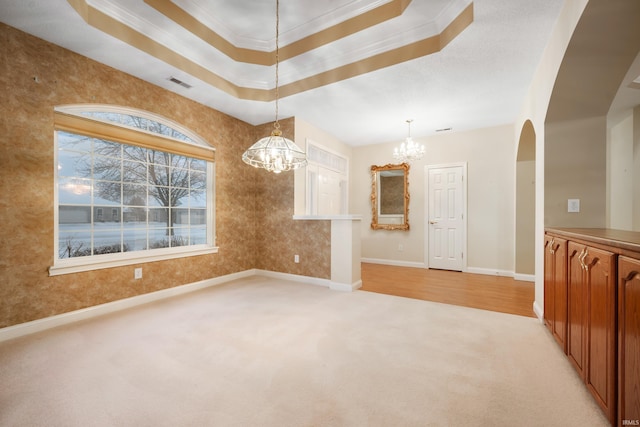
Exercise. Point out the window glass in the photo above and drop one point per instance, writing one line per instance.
(69, 141)
(74, 191)
(107, 193)
(135, 239)
(122, 206)
(198, 165)
(197, 199)
(327, 181)
(115, 198)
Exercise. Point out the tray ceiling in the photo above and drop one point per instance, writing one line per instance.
(354, 68)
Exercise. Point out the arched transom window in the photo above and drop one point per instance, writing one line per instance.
(130, 187)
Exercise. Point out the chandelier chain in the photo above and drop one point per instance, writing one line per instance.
(275, 153)
(277, 123)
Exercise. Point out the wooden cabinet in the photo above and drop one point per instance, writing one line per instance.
(628, 339)
(591, 343)
(600, 330)
(602, 342)
(576, 308)
(555, 288)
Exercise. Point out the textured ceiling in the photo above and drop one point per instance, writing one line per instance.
(355, 68)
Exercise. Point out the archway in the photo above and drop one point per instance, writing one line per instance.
(525, 203)
(596, 69)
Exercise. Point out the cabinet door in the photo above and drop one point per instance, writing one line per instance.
(560, 292)
(576, 309)
(555, 288)
(549, 274)
(600, 275)
(628, 339)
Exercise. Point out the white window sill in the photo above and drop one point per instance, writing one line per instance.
(77, 265)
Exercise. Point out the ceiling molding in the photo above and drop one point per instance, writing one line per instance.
(331, 13)
(117, 29)
(131, 36)
(355, 24)
(411, 51)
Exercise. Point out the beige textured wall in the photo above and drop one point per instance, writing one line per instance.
(576, 168)
(636, 169)
(278, 236)
(620, 171)
(26, 188)
(525, 218)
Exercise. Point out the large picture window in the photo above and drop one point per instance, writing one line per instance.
(129, 186)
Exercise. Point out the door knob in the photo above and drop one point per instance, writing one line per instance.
(433, 222)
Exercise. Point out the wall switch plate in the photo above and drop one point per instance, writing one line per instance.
(400, 247)
(137, 273)
(296, 258)
(573, 205)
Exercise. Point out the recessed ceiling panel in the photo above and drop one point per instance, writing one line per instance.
(359, 85)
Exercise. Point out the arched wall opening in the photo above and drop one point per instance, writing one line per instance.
(595, 72)
(525, 203)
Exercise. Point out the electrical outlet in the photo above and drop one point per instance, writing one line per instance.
(137, 273)
(400, 247)
(296, 258)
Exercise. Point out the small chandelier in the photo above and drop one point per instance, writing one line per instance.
(408, 150)
(275, 153)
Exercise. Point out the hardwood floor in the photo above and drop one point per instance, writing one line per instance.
(494, 293)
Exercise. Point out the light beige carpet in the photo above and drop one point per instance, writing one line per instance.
(262, 352)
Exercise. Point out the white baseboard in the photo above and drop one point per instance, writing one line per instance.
(394, 262)
(311, 280)
(538, 311)
(489, 272)
(472, 270)
(111, 307)
(344, 287)
(293, 277)
(525, 277)
(40, 325)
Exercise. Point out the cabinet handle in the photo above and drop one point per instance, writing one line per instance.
(631, 276)
(581, 258)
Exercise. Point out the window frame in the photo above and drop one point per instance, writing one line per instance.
(69, 118)
(313, 171)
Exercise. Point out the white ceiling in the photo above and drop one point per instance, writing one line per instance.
(478, 80)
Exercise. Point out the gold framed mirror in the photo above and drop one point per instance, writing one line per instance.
(390, 197)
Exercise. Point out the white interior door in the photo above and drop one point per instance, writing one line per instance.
(446, 217)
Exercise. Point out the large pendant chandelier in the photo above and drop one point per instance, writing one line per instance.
(408, 150)
(275, 153)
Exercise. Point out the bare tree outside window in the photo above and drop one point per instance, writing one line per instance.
(170, 177)
(115, 197)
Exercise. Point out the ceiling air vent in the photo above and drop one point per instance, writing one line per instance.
(443, 130)
(179, 82)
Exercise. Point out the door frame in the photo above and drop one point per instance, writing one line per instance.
(425, 218)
